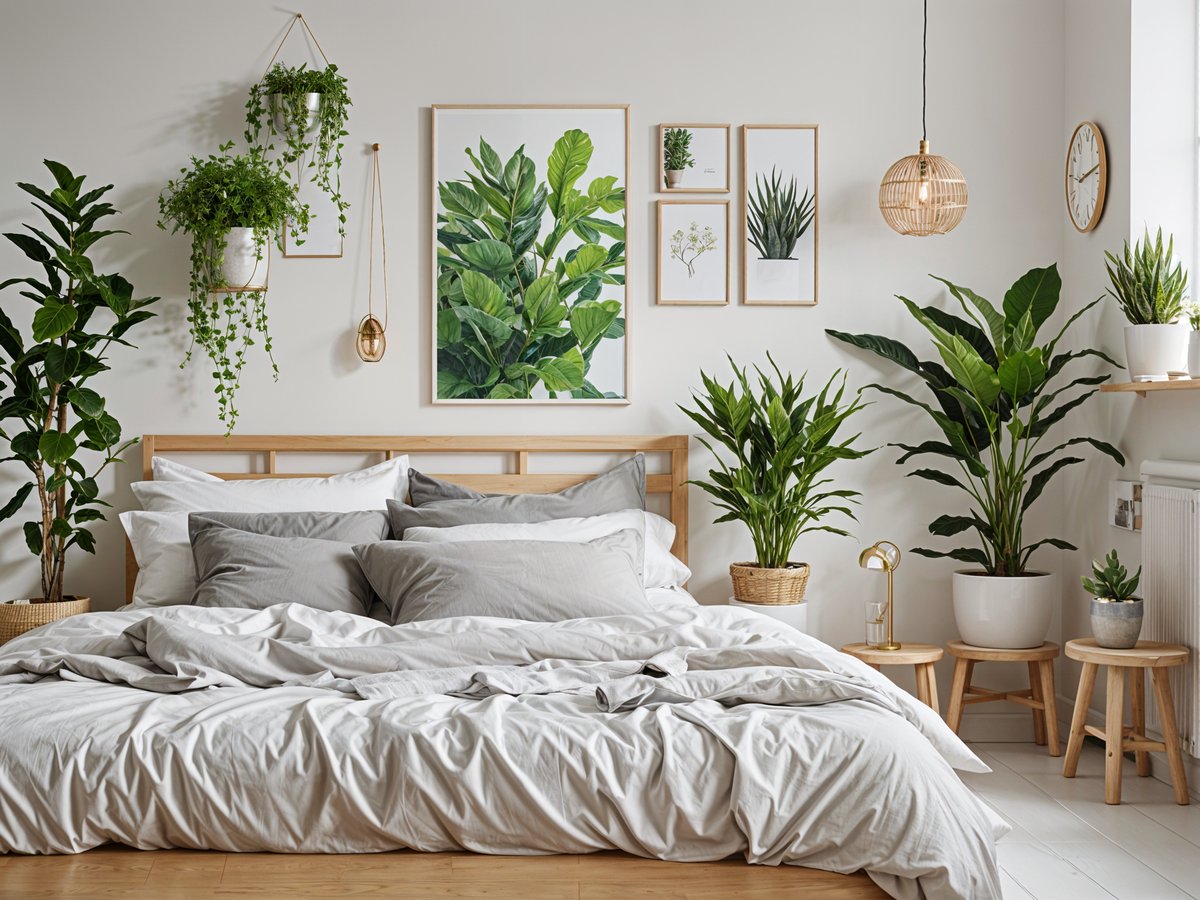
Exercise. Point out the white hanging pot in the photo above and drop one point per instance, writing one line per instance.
(1006, 612)
(240, 268)
(1151, 351)
(279, 103)
(1193, 368)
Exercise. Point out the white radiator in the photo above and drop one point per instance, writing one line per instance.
(1171, 582)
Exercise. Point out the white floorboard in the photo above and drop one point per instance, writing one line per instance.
(1067, 842)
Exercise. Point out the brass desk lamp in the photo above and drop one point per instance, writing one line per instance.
(885, 556)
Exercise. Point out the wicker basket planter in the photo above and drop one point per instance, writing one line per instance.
(18, 618)
(770, 587)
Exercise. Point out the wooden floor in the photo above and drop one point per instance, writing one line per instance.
(119, 872)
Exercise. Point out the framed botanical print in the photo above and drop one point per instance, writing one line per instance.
(693, 159)
(693, 252)
(780, 211)
(529, 254)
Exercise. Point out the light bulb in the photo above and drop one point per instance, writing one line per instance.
(371, 342)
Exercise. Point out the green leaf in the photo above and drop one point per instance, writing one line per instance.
(483, 293)
(25, 445)
(449, 328)
(451, 385)
(30, 247)
(962, 554)
(458, 198)
(1022, 372)
(33, 537)
(61, 363)
(589, 322)
(587, 259)
(484, 325)
(991, 316)
(87, 514)
(490, 256)
(946, 526)
(1035, 292)
(604, 191)
(564, 373)
(86, 402)
(568, 161)
(53, 320)
(1039, 481)
(56, 447)
(85, 540)
(18, 500)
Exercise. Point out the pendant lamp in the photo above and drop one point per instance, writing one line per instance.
(372, 334)
(923, 194)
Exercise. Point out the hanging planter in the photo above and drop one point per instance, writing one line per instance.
(231, 206)
(298, 116)
(371, 341)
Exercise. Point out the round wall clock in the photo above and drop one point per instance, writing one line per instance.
(1087, 176)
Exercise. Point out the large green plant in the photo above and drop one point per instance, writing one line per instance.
(781, 443)
(774, 219)
(514, 310)
(54, 415)
(213, 196)
(996, 397)
(1148, 288)
(282, 92)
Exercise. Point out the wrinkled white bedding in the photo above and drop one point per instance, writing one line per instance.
(690, 733)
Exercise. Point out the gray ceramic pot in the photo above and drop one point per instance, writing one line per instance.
(1116, 623)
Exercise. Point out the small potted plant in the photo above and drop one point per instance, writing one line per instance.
(1116, 612)
(1193, 315)
(775, 222)
(677, 155)
(1150, 288)
(307, 110)
(54, 423)
(231, 206)
(781, 442)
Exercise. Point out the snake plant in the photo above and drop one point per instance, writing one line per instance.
(775, 220)
(1148, 289)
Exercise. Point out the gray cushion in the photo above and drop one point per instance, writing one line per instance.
(438, 504)
(542, 581)
(244, 570)
(347, 527)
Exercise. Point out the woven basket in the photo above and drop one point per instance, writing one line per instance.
(770, 587)
(18, 618)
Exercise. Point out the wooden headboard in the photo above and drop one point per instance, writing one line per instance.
(263, 451)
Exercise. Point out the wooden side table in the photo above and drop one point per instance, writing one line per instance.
(1117, 738)
(920, 656)
(1039, 697)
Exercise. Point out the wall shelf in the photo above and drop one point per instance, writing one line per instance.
(1141, 388)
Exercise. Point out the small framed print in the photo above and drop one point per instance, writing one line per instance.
(323, 240)
(693, 252)
(1125, 505)
(693, 159)
(780, 215)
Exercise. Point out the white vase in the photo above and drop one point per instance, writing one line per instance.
(1194, 354)
(1011, 613)
(775, 279)
(279, 103)
(1151, 351)
(241, 269)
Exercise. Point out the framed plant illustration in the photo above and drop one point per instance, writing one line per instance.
(529, 270)
(693, 159)
(780, 214)
(693, 252)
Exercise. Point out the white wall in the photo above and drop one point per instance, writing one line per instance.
(133, 87)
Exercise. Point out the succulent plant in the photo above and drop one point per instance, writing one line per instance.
(1110, 580)
(775, 220)
(1148, 289)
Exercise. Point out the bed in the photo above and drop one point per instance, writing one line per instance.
(683, 733)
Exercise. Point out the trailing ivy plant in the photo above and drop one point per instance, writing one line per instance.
(997, 395)
(211, 197)
(515, 311)
(277, 111)
(774, 219)
(55, 415)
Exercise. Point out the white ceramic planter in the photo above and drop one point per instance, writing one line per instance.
(674, 176)
(312, 108)
(1011, 613)
(1151, 351)
(241, 268)
(1193, 367)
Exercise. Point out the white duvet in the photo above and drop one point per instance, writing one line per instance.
(690, 733)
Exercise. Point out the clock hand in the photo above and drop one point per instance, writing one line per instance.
(1087, 173)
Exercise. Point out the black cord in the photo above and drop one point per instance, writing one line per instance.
(924, 56)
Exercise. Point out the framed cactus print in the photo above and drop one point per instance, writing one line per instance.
(780, 214)
(529, 254)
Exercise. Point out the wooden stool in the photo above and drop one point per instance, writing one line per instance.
(1117, 738)
(920, 656)
(1039, 697)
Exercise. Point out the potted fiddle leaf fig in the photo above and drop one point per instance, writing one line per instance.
(781, 442)
(54, 422)
(306, 110)
(1151, 288)
(997, 393)
(1116, 612)
(231, 206)
(677, 155)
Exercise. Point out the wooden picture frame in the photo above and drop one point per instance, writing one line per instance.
(723, 244)
(660, 175)
(444, 112)
(755, 162)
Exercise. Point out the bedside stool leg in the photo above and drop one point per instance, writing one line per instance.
(931, 682)
(1049, 706)
(957, 688)
(1035, 692)
(922, 684)
(1087, 680)
(1114, 727)
(1166, 718)
(1137, 712)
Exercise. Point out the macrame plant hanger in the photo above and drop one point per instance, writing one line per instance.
(372, 338)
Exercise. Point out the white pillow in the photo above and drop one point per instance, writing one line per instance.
(369, 488)
(169, 470)
(166, 572)
(659, 569)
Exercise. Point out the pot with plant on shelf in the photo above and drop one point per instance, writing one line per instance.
(1150, 288)
(997, 394)
(54, 423)
(677, 155)
(781, 443)
(1193, 355)
(1116, 613)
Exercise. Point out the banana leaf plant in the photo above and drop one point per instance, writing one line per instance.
(515, 309)
(997, 393)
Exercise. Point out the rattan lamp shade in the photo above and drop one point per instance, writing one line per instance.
(923, 194)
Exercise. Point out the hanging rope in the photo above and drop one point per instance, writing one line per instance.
(298, 18)
(924, 57)
(377, 192)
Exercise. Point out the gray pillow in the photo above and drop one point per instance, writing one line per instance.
(438, 504)
(541, 581)
(244, 570)
(347, 527)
